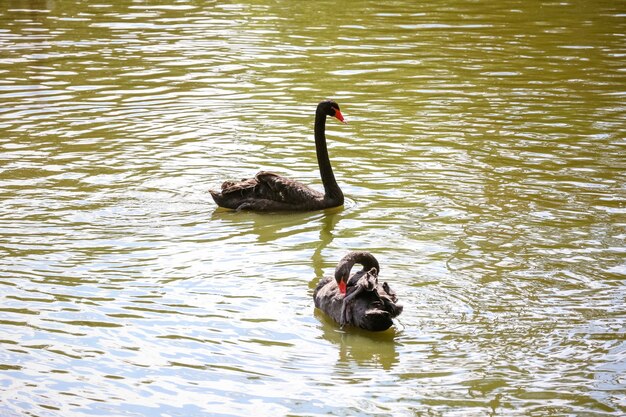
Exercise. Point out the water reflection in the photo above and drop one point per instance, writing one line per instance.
(328, 222)
(359, 346)
(269, 227)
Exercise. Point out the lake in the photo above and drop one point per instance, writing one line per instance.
(483, 165)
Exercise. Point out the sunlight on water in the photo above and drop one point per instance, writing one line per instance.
(483, 166)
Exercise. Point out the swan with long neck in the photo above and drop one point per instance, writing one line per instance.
(271, 192)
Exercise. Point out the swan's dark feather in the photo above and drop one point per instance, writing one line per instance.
(266, 191)
(327, 295)
(287, 190)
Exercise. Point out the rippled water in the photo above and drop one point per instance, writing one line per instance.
(483, 165)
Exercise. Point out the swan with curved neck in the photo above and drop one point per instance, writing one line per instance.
(364, 302)
(271, 192)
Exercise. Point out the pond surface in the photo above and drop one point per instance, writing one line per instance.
(483, 165)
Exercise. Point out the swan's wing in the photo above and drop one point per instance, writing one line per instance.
(234, 193)
(283, 189)
(265, 192)
(321, 284)
(239, 187)
(328, 298)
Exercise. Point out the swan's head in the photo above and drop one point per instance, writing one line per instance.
(331, 108)
(342, 271)
(342, 275)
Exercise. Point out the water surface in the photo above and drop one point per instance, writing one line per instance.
(483, 166)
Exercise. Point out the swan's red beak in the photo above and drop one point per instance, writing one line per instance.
(342, 286)
(339, 116)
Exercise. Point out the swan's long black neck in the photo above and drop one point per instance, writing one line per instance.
(347, 262)
(331, 189)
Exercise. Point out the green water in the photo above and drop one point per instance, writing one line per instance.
(483, 165)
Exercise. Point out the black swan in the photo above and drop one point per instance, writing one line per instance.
(359, 300)
(271, 192)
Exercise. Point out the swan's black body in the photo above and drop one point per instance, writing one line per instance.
(367, 304)
(271, 192)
